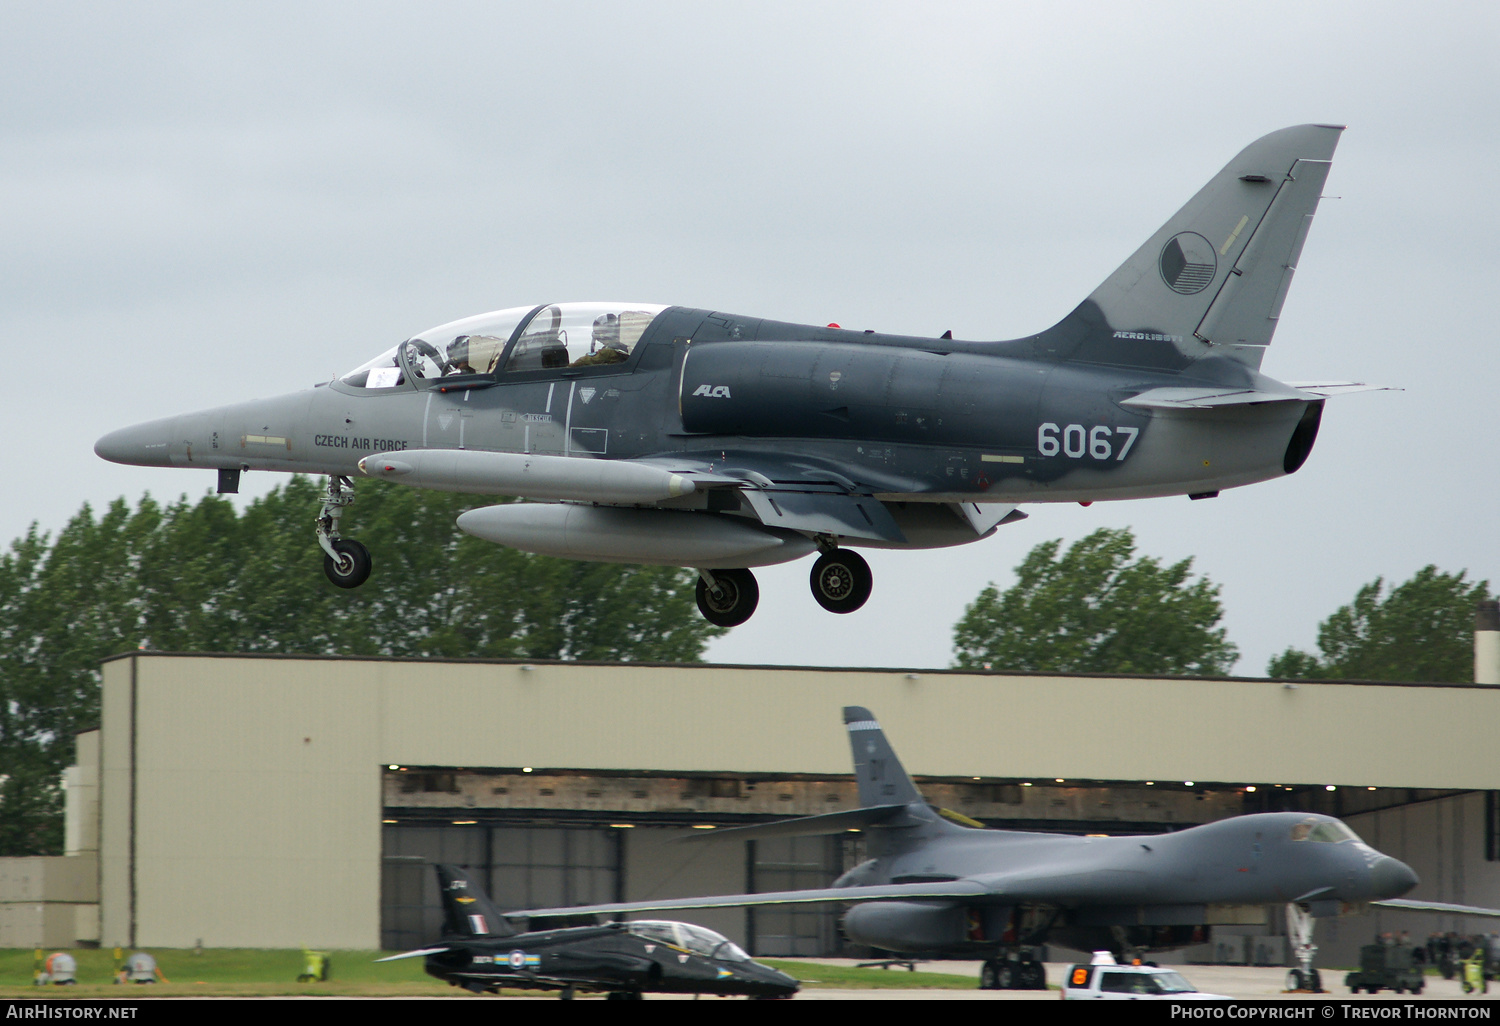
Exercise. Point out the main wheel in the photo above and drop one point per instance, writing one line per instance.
(1005, 975)
(1294, 980)
(737, 597)
(987, 975)
(841, 581)
(353, 566)
(1033, 976)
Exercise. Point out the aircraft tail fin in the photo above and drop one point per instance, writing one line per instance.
(467, 909)
(1212, 280)
(881, 777)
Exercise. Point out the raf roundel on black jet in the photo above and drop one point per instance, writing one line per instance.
(685, 437)
(482, 951)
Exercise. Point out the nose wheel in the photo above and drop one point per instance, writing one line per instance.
(727, 598)
(345, 562)
(352, 568)
(841, 581)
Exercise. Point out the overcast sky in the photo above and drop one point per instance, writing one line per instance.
(206, 203)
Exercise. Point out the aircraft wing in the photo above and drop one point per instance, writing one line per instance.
(888, 892)
(803, 826)
(414, 954)
(1443, 907)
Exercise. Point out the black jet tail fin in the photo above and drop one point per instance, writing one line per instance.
(467, 910)
(881, 777)
(1212, 280)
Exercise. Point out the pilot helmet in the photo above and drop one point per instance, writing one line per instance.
(607, 331)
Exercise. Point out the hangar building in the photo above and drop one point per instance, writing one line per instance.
(244, 801)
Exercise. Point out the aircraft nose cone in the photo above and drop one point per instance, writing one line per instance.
(1391, 878)
(144, 445)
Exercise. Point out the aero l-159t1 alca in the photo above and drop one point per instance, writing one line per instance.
(684, 437)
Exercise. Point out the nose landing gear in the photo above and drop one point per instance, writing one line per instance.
(345, 562)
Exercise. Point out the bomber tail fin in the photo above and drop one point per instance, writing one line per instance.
(881, 777)
(1214, 277)
(467, 909)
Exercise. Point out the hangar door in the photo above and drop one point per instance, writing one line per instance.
(520, 867)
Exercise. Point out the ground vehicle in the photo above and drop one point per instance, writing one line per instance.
(1386, 965)
(1105, 980)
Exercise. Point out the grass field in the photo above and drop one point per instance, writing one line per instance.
(250, 972)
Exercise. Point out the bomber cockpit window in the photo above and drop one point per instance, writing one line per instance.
(1329, 831)
(581, 335)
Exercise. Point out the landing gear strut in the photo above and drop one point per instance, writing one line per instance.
(727, 598)
(346, 562)
(841, 580)
(1299, 930)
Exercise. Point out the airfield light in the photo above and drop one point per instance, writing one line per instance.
(1187, 783)
(1250, 788)
(1027, 784)
(1329, 787)
(393, 767)
(622, 826)
(465, 822)
(1369, 789)
(704, 826)
(1150, 783)
(1057, 780)
(525, 769)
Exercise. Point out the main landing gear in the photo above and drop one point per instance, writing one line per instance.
(840, 581)
(1013, 972)
(345, 561)
(727, 598)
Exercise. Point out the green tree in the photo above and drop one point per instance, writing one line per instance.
(1421, 630)
(201, 577)
(1097, 609)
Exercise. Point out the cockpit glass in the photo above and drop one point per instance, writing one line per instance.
(1329, 831)
(581, 335)
(381, 372)
(470, 346)
(697, 939)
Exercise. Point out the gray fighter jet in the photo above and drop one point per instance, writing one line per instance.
(686, 437)
(938, 889)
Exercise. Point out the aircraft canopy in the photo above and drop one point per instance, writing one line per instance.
(547, 337)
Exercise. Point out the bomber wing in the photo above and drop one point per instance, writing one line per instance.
(888, 892)
(1443, 907)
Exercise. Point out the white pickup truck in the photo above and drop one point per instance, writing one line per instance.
(1106, 980)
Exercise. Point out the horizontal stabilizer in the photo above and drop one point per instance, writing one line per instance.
(806, 826)
(1208, 397)
(1332, 388)
(1442, 907)
(962, 889)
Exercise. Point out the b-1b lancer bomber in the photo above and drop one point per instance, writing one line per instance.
(684, 437)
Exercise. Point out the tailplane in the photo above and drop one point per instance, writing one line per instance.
(1212, 280)
(467, 909)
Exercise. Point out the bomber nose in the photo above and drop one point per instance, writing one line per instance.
(144, 445)
(1391, 878)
